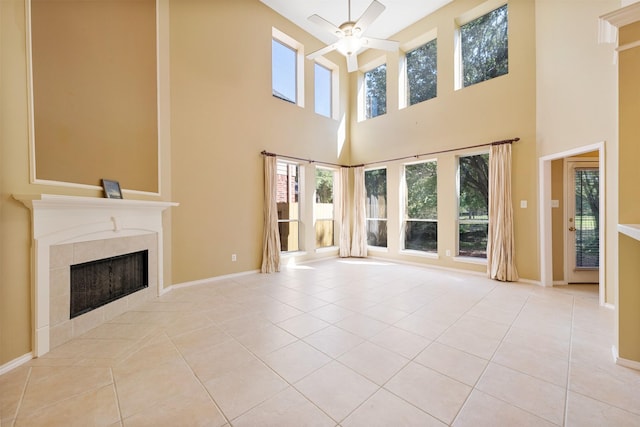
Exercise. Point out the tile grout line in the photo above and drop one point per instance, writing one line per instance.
(115, 391)
(565, 414)
(22, 394)
(198, 378)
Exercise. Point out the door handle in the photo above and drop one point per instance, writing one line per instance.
(572, 229)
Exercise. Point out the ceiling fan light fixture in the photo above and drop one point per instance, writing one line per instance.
(350, 45)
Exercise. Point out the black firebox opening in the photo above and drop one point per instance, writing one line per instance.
(96, 283)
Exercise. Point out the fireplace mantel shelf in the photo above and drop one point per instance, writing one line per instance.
(60, 201)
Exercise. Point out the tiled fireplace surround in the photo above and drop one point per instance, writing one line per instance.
(62, 257)
(68, 230)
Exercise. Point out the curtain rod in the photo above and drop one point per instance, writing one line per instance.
(504, 141)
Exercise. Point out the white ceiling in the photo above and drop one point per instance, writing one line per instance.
(398, 14)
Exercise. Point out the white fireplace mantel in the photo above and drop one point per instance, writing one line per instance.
(58, 219)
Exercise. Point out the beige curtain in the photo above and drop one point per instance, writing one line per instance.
(359, 240)
(343, 211)
(500, 243)
(271, 241)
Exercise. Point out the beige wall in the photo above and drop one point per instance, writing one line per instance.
(629, 175)
(493, 110)
(223, 116)
(577, 98)
(95, 92)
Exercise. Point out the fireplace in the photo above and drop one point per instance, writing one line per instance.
(99, 282)
(71, 230)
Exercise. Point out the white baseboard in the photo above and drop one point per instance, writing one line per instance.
(560, 283)
(209, 280)
(631, 364)
(426, 265)
(15, 363)
(530, 282)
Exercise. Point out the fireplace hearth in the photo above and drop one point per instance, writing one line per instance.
(99, 282)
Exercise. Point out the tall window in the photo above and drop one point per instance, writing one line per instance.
(484, 47)
(323, 90)
(375, 91)
(375, 182)
(323, 208)
(473, 205)
(421, 207)
(283, 71)
(422, 73)
(288, 202)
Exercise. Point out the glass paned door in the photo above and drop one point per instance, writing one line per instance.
(583, 222)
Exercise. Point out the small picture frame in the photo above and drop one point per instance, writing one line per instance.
(111, 189)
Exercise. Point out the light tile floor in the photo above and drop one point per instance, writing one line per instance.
(338, 342)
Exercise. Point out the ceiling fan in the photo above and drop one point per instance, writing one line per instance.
(350, 35)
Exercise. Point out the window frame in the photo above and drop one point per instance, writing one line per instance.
(386, 196)
(403, 81)
(297, 220)
(298, 48)
(405, 211)
(471, 15)
(466, 258)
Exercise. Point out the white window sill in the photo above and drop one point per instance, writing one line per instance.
(470, 260)
(293, 254)
(378, 249)
(327, 249)
(422, 254)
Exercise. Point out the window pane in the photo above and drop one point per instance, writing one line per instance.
(324, 233)
(474, 187)
(422, 190)
(287, 200)
(324, 188)
(377, 233)
(421, 236)
(473, 208)
(587, 185)
(375, 182)
(422, 73)
(323, 90)
(287, 197)
(473, 240)
(323, 207)
(283, 71)
(484, 43)
(375, 86)
(288, 236)
(422, 203)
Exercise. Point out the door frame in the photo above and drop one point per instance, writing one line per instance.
(544, 205)
(568, 162)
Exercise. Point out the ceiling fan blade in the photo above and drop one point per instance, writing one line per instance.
(328, 26)
(390, 45)
(373, 11)
(320, 52)
(352, 63)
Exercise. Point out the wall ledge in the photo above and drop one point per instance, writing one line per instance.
(631, 230)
